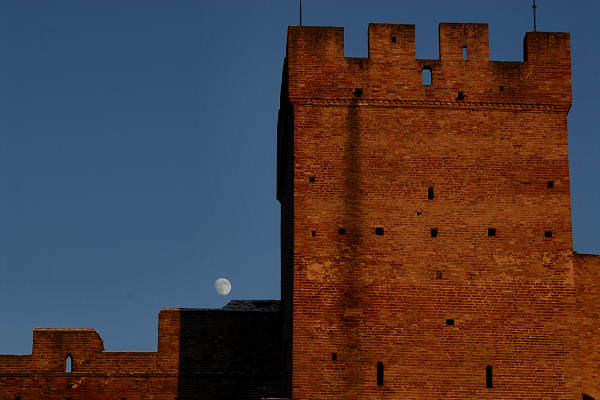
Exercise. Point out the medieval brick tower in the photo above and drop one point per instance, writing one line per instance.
(426, 224)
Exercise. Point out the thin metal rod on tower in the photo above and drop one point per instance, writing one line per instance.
(534, 16)
(300, 12)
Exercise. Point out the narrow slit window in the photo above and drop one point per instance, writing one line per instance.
(393, 39)
(379, 231)
(430, 193)
(460, 96)
(501, 88)
(434, 232)
(333, 356)
(313, 233)
(550, 184)
(342, 231)
(491, 231)
(312, 179)
(465, 53)
(379, 373)
(548, 234)
(438, 274)
(488, 377)
(427, 76)
(69, 364)
(450, 322)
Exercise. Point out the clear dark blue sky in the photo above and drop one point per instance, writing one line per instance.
(138, 147)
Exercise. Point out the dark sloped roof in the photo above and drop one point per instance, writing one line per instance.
(253, 305)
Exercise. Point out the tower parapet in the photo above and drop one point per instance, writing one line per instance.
(463, 76)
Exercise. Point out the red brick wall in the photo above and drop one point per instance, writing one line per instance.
(587, 269)
(95, 374)
(373, 156)
(202, 354)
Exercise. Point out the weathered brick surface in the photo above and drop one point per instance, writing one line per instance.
(95, 374)
(361, 141)
(587, 275)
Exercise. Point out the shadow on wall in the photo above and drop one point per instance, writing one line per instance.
(231, 353)
(586, 397)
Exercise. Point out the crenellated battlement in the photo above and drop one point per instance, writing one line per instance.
(463, 74)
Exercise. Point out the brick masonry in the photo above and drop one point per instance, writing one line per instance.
(437, 289)
(426, 244)
(232, 353)
(588, 325)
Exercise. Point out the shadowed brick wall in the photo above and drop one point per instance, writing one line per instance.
(233, 353)
(435, 289)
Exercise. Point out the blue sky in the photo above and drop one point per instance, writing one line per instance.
(138, 147)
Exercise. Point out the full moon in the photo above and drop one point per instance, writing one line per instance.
(223, 286)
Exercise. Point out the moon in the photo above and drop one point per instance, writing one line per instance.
(223, 286)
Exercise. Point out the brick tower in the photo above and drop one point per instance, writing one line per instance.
(426, 223)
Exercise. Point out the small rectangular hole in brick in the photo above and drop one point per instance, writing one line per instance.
(379, 373)
(488, 377)
(379, 231)
(465, 53)
(501, 88)
(548, 234)
(450, 322)
(358, 92)
(313, 233)
(312, 179)
(393, 39)
(434, 232)
(333, 356)
(342, 231)
(430, 193)
(460, 96)
(491, 231)
(550, 184)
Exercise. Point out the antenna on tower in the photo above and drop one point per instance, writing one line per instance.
(301, 12)
(534, 17)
